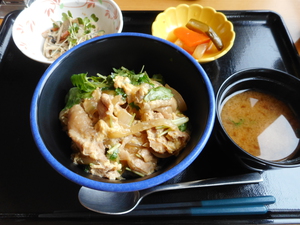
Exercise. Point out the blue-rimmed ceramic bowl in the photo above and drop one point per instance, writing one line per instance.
(100, 55)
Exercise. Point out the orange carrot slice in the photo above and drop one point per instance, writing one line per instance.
(65, 34)
(189, 37)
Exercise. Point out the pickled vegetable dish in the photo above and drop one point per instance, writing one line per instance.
(123, 123)
(197, 38)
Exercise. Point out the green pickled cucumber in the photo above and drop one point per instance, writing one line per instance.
(201, 27)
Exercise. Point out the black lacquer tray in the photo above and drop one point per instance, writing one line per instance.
(31, 192)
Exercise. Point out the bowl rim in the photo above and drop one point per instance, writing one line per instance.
(211, 58)
(121, 187)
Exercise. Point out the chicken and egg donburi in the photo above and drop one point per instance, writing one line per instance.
(123, 122)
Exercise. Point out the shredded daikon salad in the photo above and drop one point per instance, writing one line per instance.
(69, 32)
(124, 123)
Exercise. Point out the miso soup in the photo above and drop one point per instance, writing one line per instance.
(261, 124)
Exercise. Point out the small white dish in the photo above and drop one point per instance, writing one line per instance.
(36, 19)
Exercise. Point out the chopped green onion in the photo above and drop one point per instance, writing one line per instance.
(181, 120)
(178, 122)
(164, 132)
(112, 153)
(132, 119)
(240, 122)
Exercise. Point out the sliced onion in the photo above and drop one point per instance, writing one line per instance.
(199, 51)
(179, 99)
(124, 117)
(144, 125)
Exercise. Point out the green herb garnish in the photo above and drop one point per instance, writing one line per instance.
(120, 91)
(183, 127)
(158, 93)
(135, 78)
(180, 122)
(76, 32)
(74, 97)
(239, 123)
(113, 153)
(84, 85)
(133, 105)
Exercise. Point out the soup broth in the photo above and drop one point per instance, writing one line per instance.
(261, 124)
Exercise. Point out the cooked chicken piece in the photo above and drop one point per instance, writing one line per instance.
(109, 125)
(102, 109)
(134, 93)
(90, 105)
(150, 115)
(116, 131)
(102, 170)
(134, 152)
(83, 134)
(79, 158)
(156, 104)
(171, 143)
(158, 109)
(166, 112)
(138, 165)
(105, 106)
(140, 94)
(178, 138)
(146, 155)
(142, 161)
(63, 117)
(125, 84)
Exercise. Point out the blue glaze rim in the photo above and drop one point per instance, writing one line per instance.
(121, 187)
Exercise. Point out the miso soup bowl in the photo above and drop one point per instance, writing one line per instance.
(101, 55)
(280, 85)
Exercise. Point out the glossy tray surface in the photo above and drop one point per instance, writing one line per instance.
(32, 192)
